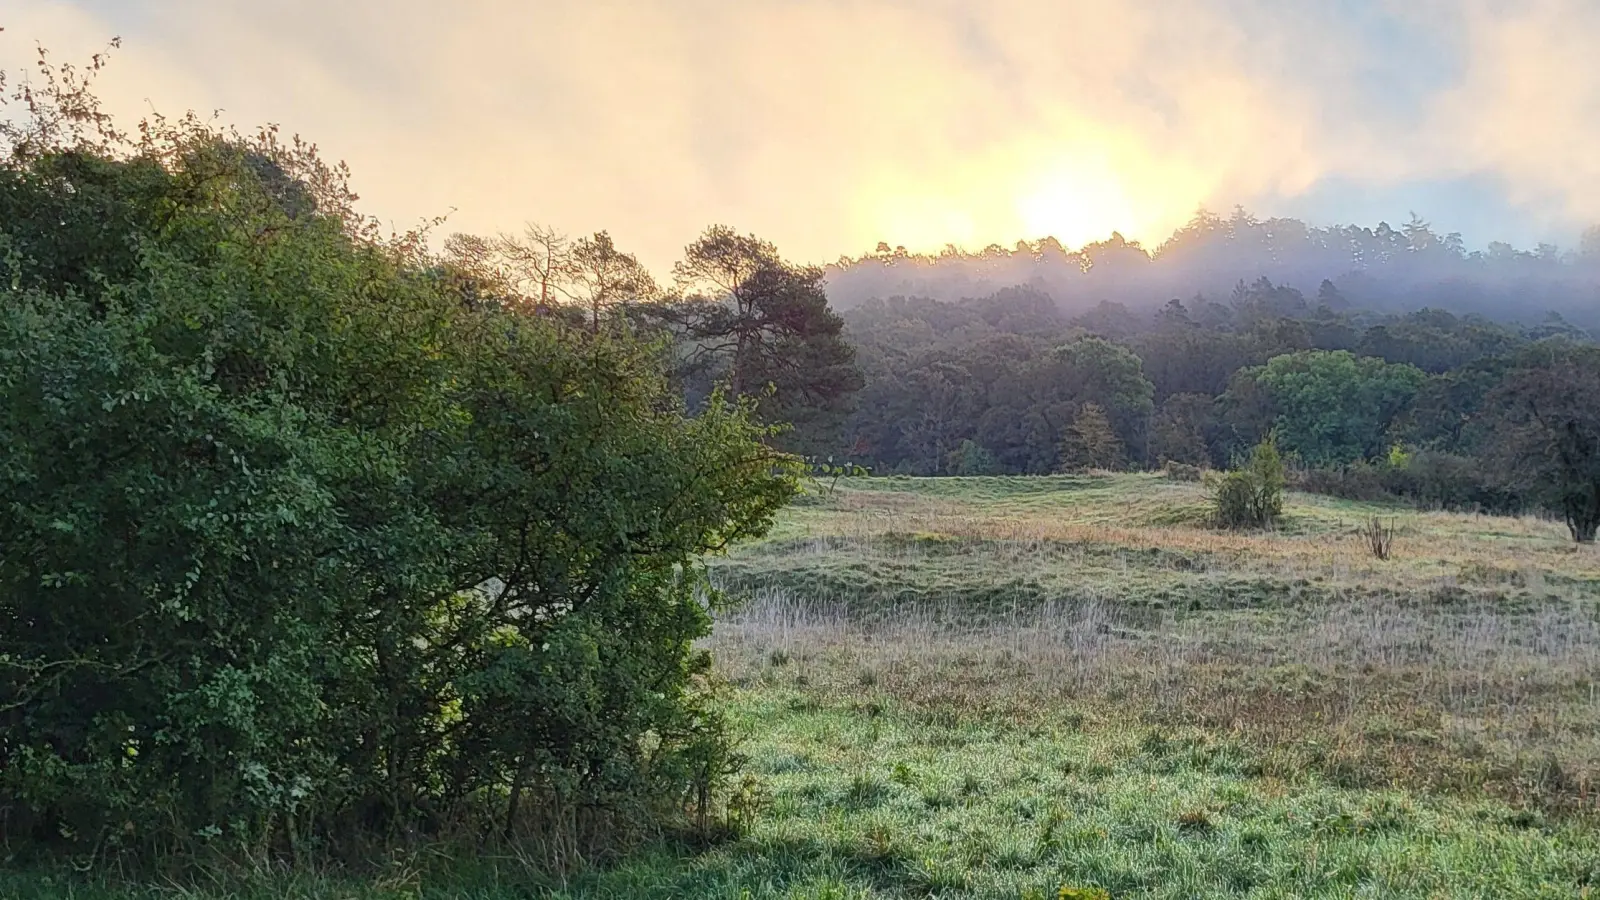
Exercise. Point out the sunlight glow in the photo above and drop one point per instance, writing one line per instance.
(1077, 206)
(1077, 191)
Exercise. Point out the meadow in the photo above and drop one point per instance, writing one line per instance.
(1468, 660)
(1072, 687)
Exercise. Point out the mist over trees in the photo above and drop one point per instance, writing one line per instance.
(1346, 342)
(1430, 406)
(317, 539)
(1380, 268)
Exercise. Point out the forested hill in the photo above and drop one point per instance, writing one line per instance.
(1013, 383)
(1382, 268)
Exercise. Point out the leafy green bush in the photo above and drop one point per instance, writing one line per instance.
(306, 543)
(1251, 495)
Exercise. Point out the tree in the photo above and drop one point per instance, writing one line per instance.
(1262, 299)
(603, 276)
(1447, 412)
(1090, 443)
(1334, 407)
(538, 262)
(755, 321)
(1095, 371)
(1174, 316)
(1328, 295)
(1179, 432)
(303, 547)
(543, 268)
(1195, 361)
(1547, 434)
(971, 458)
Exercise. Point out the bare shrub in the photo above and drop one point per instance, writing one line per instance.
(1380, 537)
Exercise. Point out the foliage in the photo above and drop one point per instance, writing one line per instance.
(761, 326)
(1090, 443)
(992, 370)
(544, 269)
(972, 458)
(307, 545)
(1095, 371)
(1251, 495)
(1547, 433)
(1179, 433)
(1426, 479)
(1335, 407)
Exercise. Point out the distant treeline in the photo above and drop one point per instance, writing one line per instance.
(1383, 268)
(1447, 409)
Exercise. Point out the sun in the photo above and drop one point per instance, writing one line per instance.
(1078, 190)
(1078, 205)
(1084, 190)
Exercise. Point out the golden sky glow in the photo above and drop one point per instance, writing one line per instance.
(830, 125)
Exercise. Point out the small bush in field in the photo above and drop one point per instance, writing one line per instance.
(1251, 496)
(1178, 471)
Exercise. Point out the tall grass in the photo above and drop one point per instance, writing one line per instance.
(1470, 661)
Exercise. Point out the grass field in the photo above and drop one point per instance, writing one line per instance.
(1022, 687)
(1470, 660)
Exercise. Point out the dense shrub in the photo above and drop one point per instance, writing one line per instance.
(1251, 495)
(1355, 481)
(305, 544)
(1426, 479)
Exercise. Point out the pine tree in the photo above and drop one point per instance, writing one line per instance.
(1178, 433)
(1090, 442)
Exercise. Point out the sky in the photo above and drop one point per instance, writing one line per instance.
(827, 126)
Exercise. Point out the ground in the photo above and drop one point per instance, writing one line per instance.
(1049, 687)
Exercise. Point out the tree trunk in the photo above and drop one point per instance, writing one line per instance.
(1583, 515)
(513, 807)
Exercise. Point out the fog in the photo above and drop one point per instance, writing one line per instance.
(1384, 268)
(829, 126)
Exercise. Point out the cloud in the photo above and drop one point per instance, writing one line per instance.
(1527, 107)
(829, 125)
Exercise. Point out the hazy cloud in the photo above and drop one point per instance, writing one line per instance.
(829, 125)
